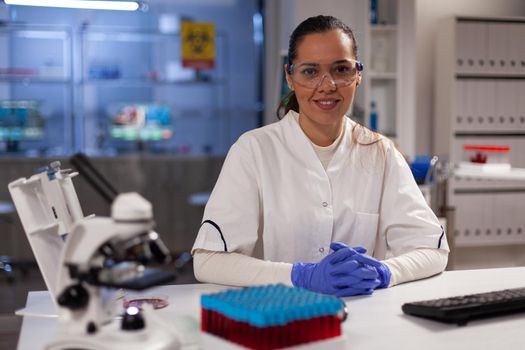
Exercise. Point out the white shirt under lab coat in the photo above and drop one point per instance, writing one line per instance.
(274, 200)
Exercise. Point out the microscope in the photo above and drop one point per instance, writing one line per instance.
(85, 260)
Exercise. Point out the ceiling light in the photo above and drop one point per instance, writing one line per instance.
(81, 4)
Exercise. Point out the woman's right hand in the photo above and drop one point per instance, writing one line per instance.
(336, 274)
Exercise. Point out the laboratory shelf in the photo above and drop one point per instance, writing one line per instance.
(490, 134)
(512, 174)
(33, 80)
(149, 83)
(36, 89)
(479, 95)
(507, 76)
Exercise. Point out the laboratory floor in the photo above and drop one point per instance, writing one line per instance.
(13, 296)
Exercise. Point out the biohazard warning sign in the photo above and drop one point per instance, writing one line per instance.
(198, 45)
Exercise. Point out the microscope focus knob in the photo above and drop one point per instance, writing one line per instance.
(132, 320)
(74, 297)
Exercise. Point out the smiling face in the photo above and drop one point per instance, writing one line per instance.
(322, 109)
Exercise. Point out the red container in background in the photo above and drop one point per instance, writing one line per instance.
(486, 157)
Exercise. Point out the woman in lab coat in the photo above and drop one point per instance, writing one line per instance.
(316, 200)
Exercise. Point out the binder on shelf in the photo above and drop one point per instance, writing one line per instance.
(513, 111)
(516, 36)
(488, 217)
(499, 216)
(489, 104)
(492, 48)
(519, 42)
(497, 47)
(472, 117)
(506, 41)
(471, 103)
(501, 87)
(458, 120)
(516, 212)
(478, 43)
(462, 46)
(480, 107)
(463, 104)
(510, 221)
(506, 221)
(501, 105)
(521, 103)
(507, 106)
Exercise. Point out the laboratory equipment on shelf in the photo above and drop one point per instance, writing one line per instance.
(141, 122)
(20, 120)
(486, 157)
(94, 257)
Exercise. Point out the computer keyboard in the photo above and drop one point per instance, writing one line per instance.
(461, 309)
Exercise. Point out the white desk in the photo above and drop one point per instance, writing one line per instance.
(374, 322)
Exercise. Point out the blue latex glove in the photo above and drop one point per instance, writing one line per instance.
(330, 277)
(382, 269)
(354, 278)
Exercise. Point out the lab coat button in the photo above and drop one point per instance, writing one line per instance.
(321, 249)
(325, 204)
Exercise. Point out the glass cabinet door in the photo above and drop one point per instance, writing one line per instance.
(136, 95)
(36, 93)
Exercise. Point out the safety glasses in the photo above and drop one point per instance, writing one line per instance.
(311, 75)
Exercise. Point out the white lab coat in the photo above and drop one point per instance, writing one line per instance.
(274, 200)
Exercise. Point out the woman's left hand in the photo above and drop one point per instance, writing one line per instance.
(382, 269)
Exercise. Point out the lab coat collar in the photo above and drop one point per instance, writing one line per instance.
(303, 149)
(297, 141)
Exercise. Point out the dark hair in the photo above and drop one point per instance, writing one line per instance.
(317, 24)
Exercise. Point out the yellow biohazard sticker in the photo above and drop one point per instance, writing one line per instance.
(198, 45)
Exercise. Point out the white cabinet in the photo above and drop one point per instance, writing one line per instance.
(389, 79)
(479, 101)
(382, 79)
